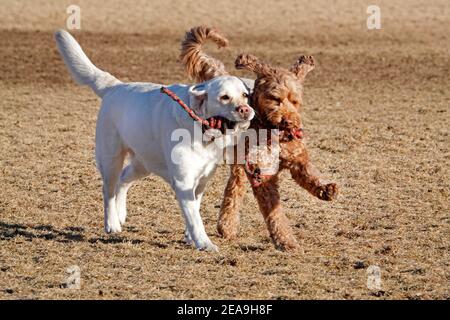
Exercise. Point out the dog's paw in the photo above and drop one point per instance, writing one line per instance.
(327, 192)
(122, 212)
(289, 247)
(286, 243)
(207, 246)
(187, 238)
(113, 228)
(211, 248)
(228, 227)
(112, 225)
(122, 216)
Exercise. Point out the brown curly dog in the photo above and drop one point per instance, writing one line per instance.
(277, 99)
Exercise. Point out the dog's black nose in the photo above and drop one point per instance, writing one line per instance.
(287, 124)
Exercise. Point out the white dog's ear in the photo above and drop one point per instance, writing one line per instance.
(197, 97)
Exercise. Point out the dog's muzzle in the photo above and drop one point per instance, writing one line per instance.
(245, 113)
(291, 134)
(288, 131)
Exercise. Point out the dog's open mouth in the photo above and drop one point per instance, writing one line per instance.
(291, 134)
(220, 123)
(288, 133)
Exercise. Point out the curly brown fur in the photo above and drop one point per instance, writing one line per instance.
(228, 226)
(303, 66)
(252, 63)
(268, 199)
(277, 98)
(294, 157)
(199, 66)
(277, 95)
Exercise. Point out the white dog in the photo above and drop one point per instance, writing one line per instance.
(138, 121)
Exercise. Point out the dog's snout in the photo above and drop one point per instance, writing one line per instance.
(287, 123)
(244, 111)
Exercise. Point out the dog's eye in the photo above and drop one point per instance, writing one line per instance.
(277, 100)
(245, 95)
(273, 98)
(225, 97)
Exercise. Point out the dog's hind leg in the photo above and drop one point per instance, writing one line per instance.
(228, 224)
(110, 156)
(132, 172)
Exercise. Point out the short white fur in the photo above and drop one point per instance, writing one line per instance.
(136, 121)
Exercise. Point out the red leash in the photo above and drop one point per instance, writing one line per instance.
(212, 123)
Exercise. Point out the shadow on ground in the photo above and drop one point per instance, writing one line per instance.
(47, 232)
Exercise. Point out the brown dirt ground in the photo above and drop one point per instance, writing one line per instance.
(378, 118)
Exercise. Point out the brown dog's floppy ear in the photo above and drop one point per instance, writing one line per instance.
(303, 66)
(252, 63)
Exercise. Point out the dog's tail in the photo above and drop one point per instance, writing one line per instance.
(82, 69)
(199, 66)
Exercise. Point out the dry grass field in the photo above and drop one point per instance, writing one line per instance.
(377, 116)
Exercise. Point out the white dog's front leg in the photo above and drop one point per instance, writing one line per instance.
(187, 236)
(194, 224)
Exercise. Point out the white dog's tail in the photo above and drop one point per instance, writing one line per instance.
(82, 69)
(197, 63)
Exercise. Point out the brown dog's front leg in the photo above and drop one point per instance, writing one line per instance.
(294, 157)
(308, 177)
(268, 199)
(228, 224)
